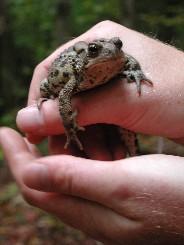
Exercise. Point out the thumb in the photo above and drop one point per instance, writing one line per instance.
(89, 179)
(99, 105)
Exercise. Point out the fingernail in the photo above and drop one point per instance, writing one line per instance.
(30, 119)
(36, 177)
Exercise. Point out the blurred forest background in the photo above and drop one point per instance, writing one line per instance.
(29, 31)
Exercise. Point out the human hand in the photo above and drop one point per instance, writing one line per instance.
(158, 111)
(141, 199)
(132, 201)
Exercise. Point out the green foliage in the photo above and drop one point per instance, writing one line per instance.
(1, 157)
(9, 118)
(87, 13)
(164, 19)
(28, 38)
(32, 24)
(8, 192)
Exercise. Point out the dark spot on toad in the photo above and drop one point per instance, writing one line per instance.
(54, 73)
(55, 86)
(69, 113)
(66, 74)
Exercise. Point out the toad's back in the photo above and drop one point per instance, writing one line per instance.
(84, 66)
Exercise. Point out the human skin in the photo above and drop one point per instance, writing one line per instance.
(138, 200)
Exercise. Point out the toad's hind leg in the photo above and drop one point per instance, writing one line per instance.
(46, 93)
(71, 129)
(130, 140)
(69, 119)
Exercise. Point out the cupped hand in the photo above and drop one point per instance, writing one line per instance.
(158, 111)
(132, 201)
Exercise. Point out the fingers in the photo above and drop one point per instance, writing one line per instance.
(89, 217)
(33, 149)
(97, 143)
(34, 139)
(94, 106)
(14, 146)
(33, 121)
(46, 121)
(69, 209)
(16, 151)
(75, 176)
(133, 194)
(137, 189)
(101, 181)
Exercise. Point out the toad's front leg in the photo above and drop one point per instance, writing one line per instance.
(134, 73)
(69, 119)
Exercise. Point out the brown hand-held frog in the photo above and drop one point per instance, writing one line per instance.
(85, 66)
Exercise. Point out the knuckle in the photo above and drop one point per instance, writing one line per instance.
(64, 178)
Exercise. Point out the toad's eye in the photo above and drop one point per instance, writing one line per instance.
(93, 49)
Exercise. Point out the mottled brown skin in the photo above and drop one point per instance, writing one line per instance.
(85, 66)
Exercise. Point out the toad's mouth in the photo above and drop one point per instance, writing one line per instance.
(106, 59)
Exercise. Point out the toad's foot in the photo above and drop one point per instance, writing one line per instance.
(41, 100)
(72, 136)
(71, 130)
(136, 76)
